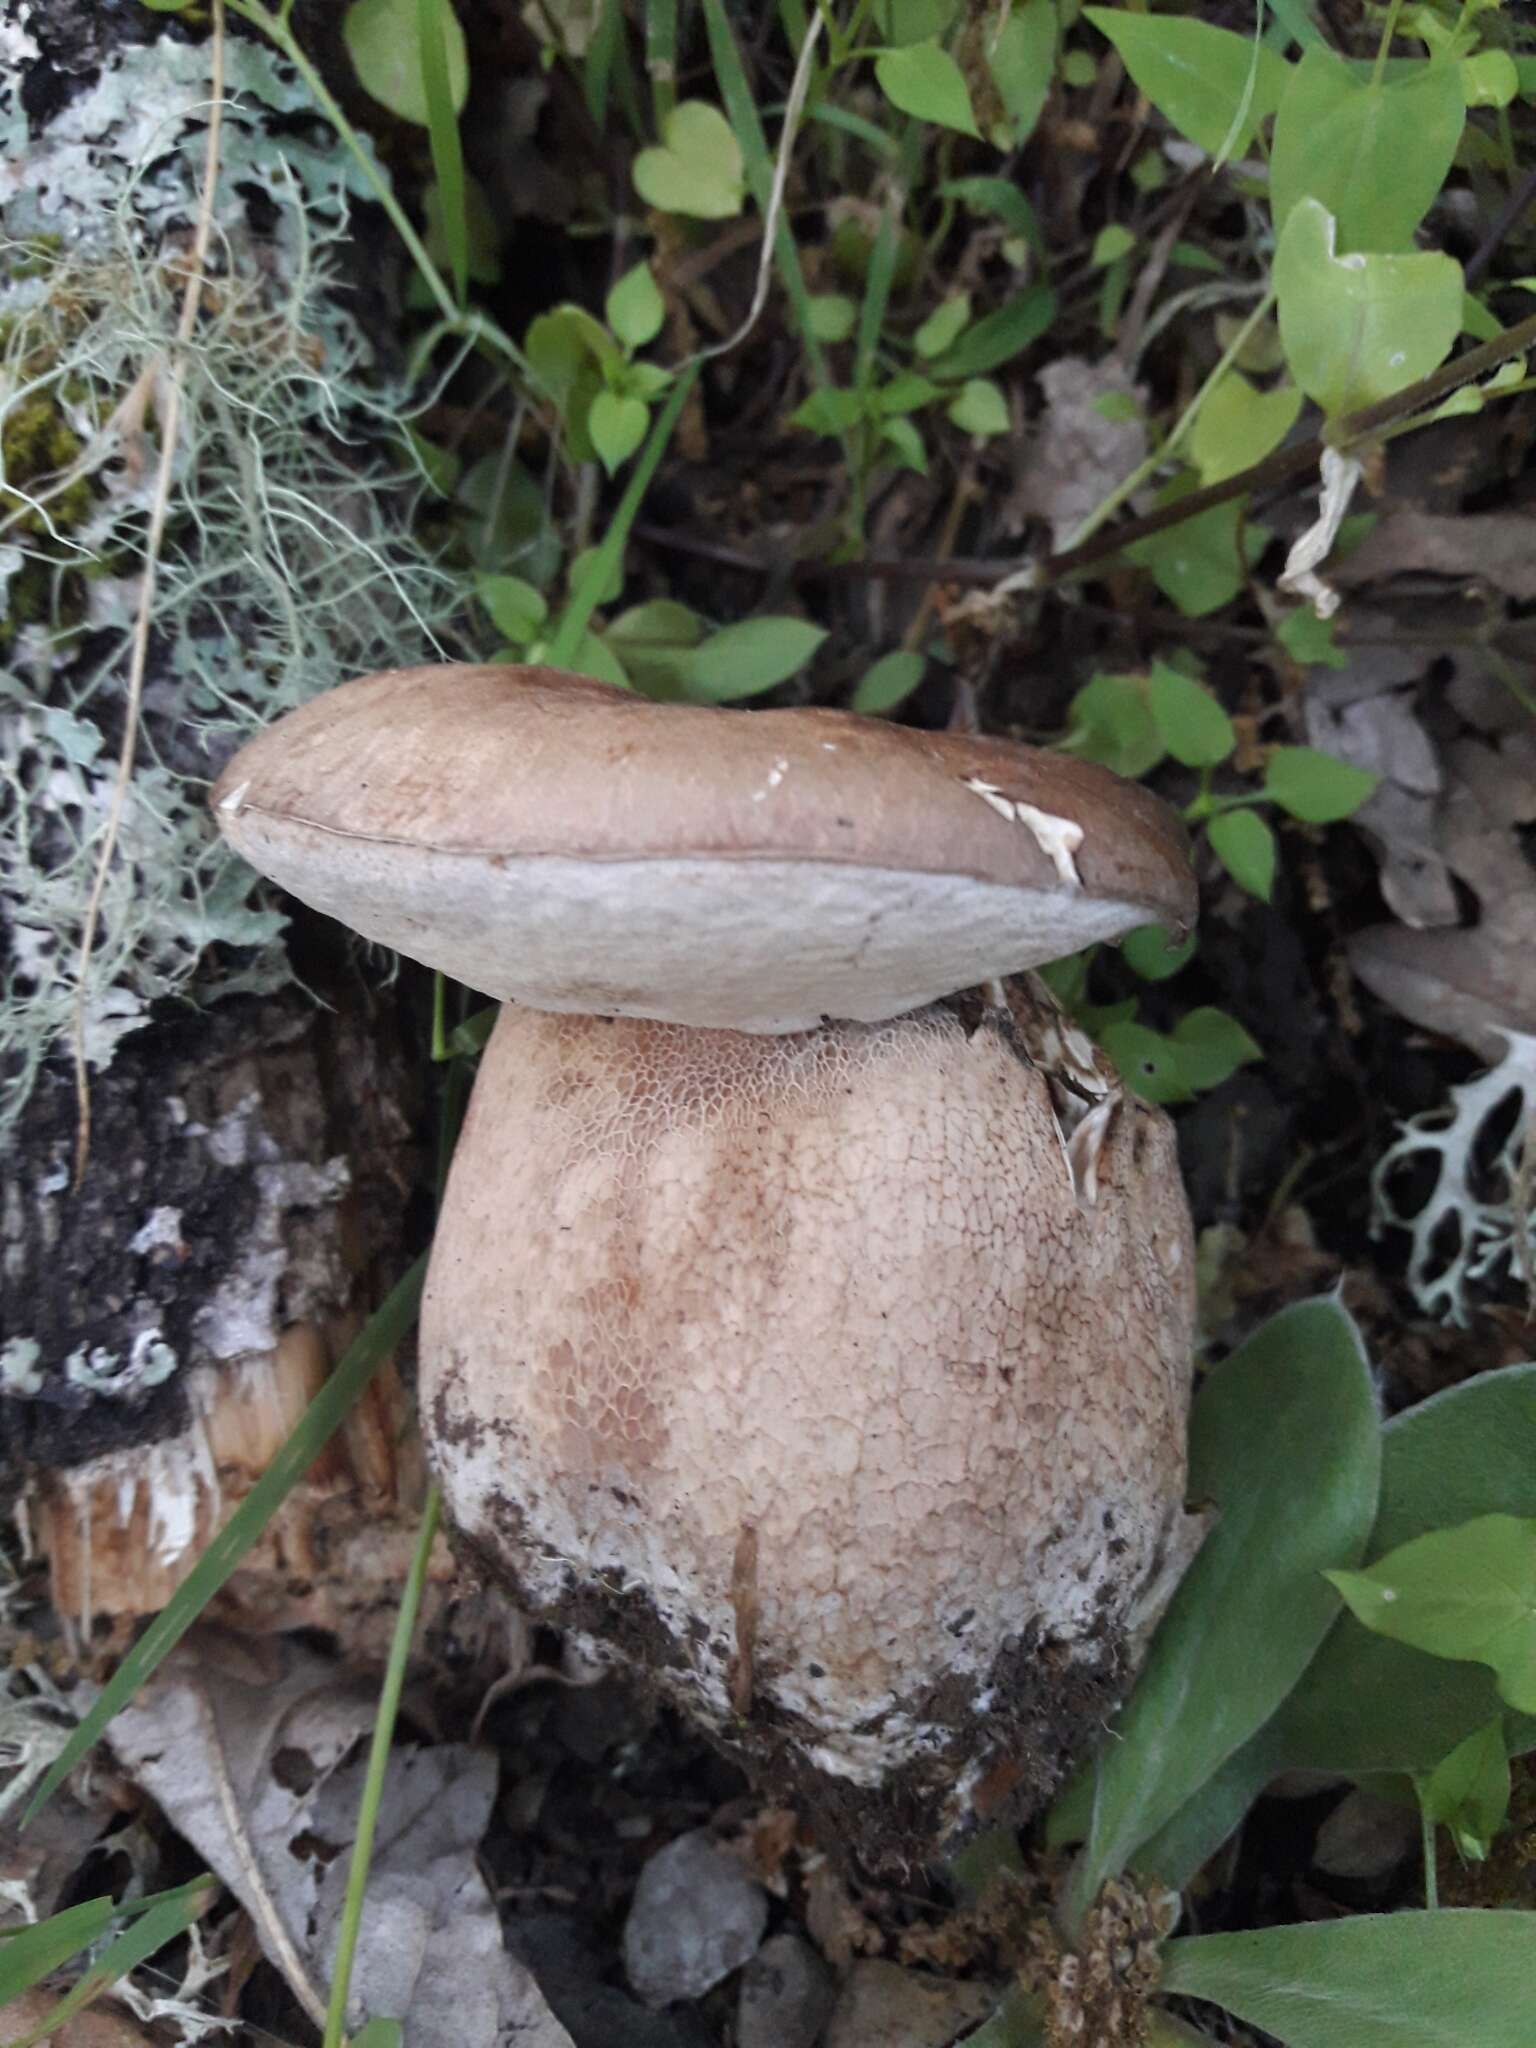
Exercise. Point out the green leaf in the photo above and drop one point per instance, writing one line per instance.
(830, 411)
(1194, 727)
(1315, 786)
(1197, 75)
(504, 517)
(32, 1953)
(383, 39)
(652, 640)
(1110, 244)
(1468, 1594)
(942, 327)
(172, 1914)
(1450, 1979)
(1239, 425)
(1154, 954)
(516, 608)
(379, 2034)
(905, 392)
(1199, 563)
(997, 196)
(902, 436)
(980, 408)
(1021, 57)
(1210, 1047)
(585, 563)
(1292, 1496)
(1370, 1705)
(889, 682)
(912, 21)
(999, 336)
(635, 309)
(1489, 79)
(741, 660)
(482, 235)
(1110, 721)
(697, 168)
(1147, 1062)
(1469, 1792)
(385, 1328)
(1358, 328)
(832, 316)
(1373, 153)
(1245, 846)
(617, 425)
(923, 80)
(1309, 640)
(594, 658)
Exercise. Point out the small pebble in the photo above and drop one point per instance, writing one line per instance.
(786, 1995)
(696, 1917)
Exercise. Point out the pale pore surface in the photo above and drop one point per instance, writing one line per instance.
(754, 944)
(834, 1287)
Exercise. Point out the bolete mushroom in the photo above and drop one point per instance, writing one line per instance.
(801, 1330)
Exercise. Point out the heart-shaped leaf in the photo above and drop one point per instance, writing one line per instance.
(617, 425)
(383, 39)
(697, 167)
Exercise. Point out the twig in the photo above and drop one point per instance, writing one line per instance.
(139, 651)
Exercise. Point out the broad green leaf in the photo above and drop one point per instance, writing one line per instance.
(505, 519)
(593, 658)
(923, 80)
(1292, 1496)
(1211, 1046)
(943, 325)
(980, 408)
(565, 344)
(1201, 563)
(1452, 1979)
(1110, 244)
(1239, 425)
(617, 426)
(696, 169)
(383, 39)
(1315, 786)
(889, 682)
(1021, 57)
(1197, 75)
(1358, 328)
(1309, 640)
(997, 196)
(902, 436)
(1151, 952)
(1469, 1792)
(1245, 846)
(1374, 154)
(584, 564)
(1489, 79)
(1111, 721)
(741, 660)
(1147, 1062)
(1369, 1705)
(832, 410)
(379, 2034)
(1467, 1593)
(1179, 1849)
(1194, 727)
(999, 336)
(635, 309)
(832, 316)
(516, 608)
(652, 639)
(913, 21)
(905, 392)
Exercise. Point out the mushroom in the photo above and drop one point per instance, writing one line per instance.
(808, 1324)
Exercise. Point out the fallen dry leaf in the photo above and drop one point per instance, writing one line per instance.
(1076, 456)
(1492, 547)
(97, 2027)
(254, 1752)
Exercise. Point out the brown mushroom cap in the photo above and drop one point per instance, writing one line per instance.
(565, 844)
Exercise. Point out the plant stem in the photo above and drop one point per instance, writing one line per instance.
(1388, 30)
(276, 28)
(1148, 469)
(378, 1764)
(1431, 1874)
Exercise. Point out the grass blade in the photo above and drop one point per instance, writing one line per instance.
(383, 1331)
(31, 1953)
(172, 1914)
(661, 57)
(378, 1764)
(447, 150)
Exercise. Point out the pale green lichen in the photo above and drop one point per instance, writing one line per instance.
(290, 562)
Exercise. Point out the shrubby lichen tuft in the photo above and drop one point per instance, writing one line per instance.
(291, 559)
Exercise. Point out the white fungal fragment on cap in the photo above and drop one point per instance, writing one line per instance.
(1057, 838)
(234, 803)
